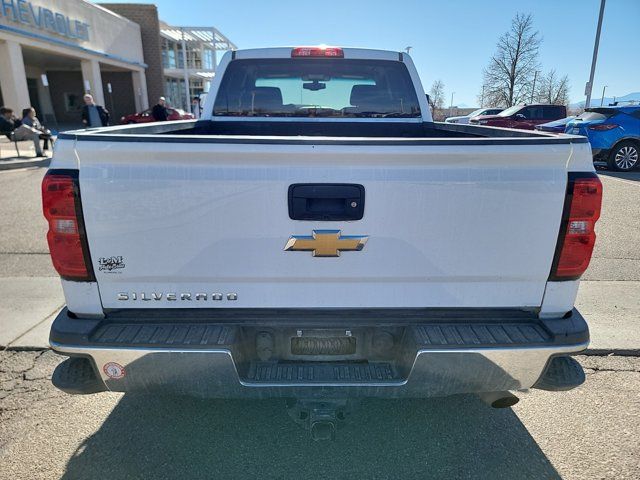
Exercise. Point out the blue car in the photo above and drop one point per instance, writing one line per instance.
(614, 134)
(557, 126)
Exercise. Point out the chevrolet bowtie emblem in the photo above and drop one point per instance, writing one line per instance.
(326, 243)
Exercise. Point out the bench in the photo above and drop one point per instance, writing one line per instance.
(11, 137)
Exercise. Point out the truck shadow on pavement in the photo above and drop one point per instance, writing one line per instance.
(633, 176)
(454, 437)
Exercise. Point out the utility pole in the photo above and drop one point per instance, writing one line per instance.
(602, 99)
(451, 105)
(482, 98)
(185, 71)
(533, 88)
(589, 86)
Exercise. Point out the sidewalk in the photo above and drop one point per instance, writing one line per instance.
(29, 305)
(9, 159)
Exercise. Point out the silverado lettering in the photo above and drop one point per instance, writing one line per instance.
(172, 296)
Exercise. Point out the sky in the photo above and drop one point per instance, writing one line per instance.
(452, 40)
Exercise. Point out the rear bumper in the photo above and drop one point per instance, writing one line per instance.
(433, 355)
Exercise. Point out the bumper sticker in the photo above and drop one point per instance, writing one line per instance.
(113, 370)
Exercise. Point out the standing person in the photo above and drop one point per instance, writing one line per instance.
(159, 111)
(94, 116)
(9, 123)
(195, 107)
(29, 118)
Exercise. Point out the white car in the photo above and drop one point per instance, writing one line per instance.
(464, 119)
(315, 235)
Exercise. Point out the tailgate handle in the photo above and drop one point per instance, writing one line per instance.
(326, 201)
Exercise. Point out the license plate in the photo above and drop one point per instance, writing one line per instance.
(575, 131)
(323, 345)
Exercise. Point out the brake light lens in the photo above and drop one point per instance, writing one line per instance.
(577, 237)
(332, 52)
(66, 236)
(603, 127)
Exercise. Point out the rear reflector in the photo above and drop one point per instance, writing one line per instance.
(577, 232)
(66, 236)
(332, 52)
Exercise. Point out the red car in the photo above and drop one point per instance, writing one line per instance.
(146, 117)
(525, 117)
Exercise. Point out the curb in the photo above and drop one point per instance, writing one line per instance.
(13, 165)
(22, 349)
(605, 352)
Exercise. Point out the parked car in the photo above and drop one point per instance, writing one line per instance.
(481, 111)
(557, 126)
(308, 238)
(525, 117)
(614, 134)
(146, 117)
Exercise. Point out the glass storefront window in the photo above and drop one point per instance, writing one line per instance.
(175, 92)
(168, 54)
(207, 59)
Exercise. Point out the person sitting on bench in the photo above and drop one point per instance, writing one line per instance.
(29, 118)
(9, 123)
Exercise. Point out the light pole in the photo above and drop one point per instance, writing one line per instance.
(451, 105)
(602, 99)
(482, 98)
(408, 49)
(589, 86)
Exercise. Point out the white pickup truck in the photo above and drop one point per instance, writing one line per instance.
(316, 236)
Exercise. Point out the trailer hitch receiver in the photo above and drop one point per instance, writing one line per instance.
(321, 418)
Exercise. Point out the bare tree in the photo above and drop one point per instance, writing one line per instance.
(436, 96)
(553, 89)
(508, 77)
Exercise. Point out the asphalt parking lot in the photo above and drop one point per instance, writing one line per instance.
(590, 432)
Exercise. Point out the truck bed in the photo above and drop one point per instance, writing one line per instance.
(210, 131)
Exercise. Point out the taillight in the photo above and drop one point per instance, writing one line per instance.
(603, 126)
(332, 52)
(66, 236)
(577, 232)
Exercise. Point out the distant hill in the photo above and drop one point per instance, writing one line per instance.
(595, 102)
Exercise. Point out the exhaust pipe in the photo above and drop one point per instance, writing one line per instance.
(499, 399)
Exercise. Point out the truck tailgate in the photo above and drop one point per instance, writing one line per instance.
(465, 226)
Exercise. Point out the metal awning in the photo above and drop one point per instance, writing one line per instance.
(208, 35)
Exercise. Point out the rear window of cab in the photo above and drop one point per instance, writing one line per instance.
(310, 87)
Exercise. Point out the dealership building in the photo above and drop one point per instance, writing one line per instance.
(54, 51)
